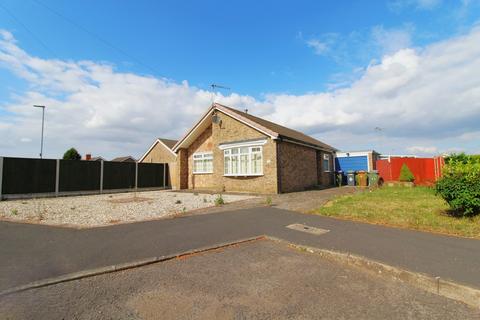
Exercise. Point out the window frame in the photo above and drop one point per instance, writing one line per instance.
(228, 153)
(207, 155)
(327, 157)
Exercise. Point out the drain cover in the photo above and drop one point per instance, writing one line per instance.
(307, 229)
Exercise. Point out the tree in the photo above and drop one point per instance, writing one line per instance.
(72, 154)
(406, 174)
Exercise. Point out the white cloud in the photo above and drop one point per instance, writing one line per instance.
(391, 40)
(421, 97)
(422, 150)
(319, 47)
(324, 44)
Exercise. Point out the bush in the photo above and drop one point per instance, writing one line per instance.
(72, 154)
(268, 201)
(405, 174)
(460, 184)
(339, 179)
(219, 200)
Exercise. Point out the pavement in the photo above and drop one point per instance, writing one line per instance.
(33, 252)
(256, 280)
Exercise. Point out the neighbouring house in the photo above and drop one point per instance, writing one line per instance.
(89, 157)
(124, 159)
(356, 161)
(234, 151)
(161, 152)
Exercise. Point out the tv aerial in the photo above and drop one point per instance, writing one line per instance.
(217, 86)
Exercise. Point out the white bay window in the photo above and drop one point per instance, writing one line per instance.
(203, 162)
(243, 161)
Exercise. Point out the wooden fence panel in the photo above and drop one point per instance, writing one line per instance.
(26, 176)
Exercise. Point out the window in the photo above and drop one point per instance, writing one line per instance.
(243, 161)
(203, 162)
(326, 162)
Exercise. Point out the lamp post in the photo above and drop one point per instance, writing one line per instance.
(43, 123)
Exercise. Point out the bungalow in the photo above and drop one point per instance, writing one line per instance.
(161, 152)
(124, 159)
(234, 151)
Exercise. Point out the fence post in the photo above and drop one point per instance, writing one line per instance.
(57, 178)
(136, 175)
(164, 174)
(1, 177)
(101, 176)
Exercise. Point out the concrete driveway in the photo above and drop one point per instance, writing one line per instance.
(32, 252)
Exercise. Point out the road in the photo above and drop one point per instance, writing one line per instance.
(34, 252)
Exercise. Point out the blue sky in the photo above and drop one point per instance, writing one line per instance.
(265, 51)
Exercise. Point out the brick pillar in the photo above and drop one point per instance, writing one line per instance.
(182, 168)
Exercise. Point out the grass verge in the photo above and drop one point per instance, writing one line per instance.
(414, 208)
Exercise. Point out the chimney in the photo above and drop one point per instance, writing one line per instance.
(88, 157)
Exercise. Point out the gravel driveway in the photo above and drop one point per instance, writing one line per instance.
(98, 210)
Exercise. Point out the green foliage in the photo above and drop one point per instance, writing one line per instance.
(178, 201)
(219, 200)
(460, 184)
(405, 174)
(463, 158)
(268, 201)
(14, 212)
(72, 154)
(339, 179)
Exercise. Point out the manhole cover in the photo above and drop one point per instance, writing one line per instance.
(307, 229)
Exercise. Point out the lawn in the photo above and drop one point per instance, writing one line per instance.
(415, 208)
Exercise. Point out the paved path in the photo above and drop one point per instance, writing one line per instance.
(33, 252)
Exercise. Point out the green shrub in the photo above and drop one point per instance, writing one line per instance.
(405, 174)
(268, 201)
(339, 179)
(462, 157)
(460, 184)
(219, 200)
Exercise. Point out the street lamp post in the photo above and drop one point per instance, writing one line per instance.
(43, 123)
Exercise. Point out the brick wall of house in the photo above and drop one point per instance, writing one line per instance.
(298, 167)
(203, 143)
(182, 169)
(231, 130)
(160, 154)
(326, 175)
